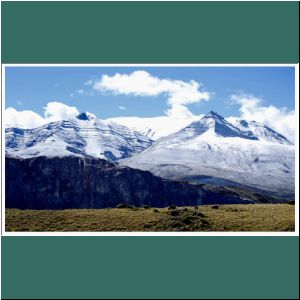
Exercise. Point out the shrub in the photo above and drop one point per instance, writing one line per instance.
(174, 213)
(146, 206)
(199, 214)
(134, 208)
(187, 220)
(215, 207)
(291, 202)
(176, 225)
(155, 210)
(205, 222)
(196, 207)
(172, 207)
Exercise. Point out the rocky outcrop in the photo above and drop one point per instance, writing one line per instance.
(75, 182)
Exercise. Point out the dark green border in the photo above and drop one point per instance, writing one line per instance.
(150, 32)
(150, 267)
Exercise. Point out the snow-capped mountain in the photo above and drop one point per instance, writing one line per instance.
(81, 136)
(216, 151)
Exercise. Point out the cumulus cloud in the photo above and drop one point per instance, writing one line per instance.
(141, 83)
(23, 119)
(179, 111)
(280, 119)
(53, 111)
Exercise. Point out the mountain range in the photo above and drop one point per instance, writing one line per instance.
(210, 150)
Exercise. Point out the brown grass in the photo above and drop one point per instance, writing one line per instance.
(254, 217)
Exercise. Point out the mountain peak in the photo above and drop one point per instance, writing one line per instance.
(213, 114)
(214, 122)
(85, 116)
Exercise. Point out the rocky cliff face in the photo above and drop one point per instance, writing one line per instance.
(74, 182)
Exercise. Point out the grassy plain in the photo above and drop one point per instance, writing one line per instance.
(251, 217)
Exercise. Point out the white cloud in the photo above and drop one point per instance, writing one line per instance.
(53, 111)
(80, 91)
(20, 103)
(178, 111)
(24, 118)
(141, 83)
(122, 107)
(280, 119)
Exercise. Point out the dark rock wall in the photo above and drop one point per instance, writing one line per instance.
(73, 182)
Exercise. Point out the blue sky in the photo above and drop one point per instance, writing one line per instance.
(31, 88)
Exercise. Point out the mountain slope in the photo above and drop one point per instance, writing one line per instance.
(214, 149)
(81, 136)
